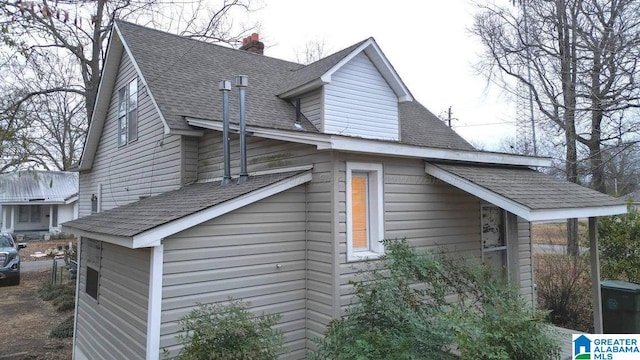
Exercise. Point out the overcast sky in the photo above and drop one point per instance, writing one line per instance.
(427, 42)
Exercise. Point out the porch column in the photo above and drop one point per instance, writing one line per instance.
(50, 217)
(595, 275)
(12, 224)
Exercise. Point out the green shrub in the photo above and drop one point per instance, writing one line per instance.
(619, 244)
(401, 312)
(494, 322)
(48, 291)
(64, 329)
(229, 332)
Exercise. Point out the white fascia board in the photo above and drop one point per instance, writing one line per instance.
(396, 149)
(103, 99)
(283, 135)
(326, 77)
(388, 72)
(154, 310)
(369, 146)
(125, 241)
(167, 130)
(576, 213)
(312, 85)
(479, 191)
(154, 236)
(72, 199)
(519, 209)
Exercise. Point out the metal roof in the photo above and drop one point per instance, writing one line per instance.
(38, 187)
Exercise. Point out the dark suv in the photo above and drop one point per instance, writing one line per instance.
(10, 259)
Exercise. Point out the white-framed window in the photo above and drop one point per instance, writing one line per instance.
(365, 211)
(494, 239)
(128, 113)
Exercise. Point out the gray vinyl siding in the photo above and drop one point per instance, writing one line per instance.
(189, 159)
(256, 253)
(359, 102)
(525, 259)
(430, 214)
(311, 107)
(145, 167)
(262, 154)
(114, 326)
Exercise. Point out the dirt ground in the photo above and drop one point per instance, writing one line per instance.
(42, 246)
(27, 321)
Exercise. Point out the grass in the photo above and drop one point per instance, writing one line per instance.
(556, 233)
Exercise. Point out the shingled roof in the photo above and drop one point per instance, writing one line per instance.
(183, 74)
(146, 214)
(526, 192)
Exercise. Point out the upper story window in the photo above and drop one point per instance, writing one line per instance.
(365, 211)
(128, 113)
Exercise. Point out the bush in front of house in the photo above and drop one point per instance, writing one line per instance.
(619, 245)
(229, 332)
(403, 311)
(564, 290)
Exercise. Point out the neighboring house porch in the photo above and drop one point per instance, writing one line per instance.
(37, 201)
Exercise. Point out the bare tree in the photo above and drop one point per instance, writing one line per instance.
(35, 34)
(582, 55)
(312, 51)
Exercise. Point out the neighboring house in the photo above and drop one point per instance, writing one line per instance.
(339, 156)
(37, 201)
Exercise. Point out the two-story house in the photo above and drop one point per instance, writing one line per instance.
(338, 155)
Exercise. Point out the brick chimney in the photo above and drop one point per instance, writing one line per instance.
(253, 44)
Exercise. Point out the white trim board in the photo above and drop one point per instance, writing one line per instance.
(154, 310)
(376, 147)
(154, 236)
(517, 208)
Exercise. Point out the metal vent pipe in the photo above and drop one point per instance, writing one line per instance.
(241, 83)
(225, 88)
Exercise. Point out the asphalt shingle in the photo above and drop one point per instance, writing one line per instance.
(146, 214)
(533, 189)
(183, 76)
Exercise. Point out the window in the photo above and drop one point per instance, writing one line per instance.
(92, 257)
(365, 211)
(128, 113)
(91, 287)
(494, 245)
(29, 213)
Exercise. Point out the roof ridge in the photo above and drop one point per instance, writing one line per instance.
(218, 45)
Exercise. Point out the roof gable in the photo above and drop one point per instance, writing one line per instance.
(321, 72)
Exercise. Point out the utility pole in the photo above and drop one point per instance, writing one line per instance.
(449, 118)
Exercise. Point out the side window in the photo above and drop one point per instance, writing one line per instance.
(365, 211)
(494, 245)
(128, 113)
(93, 259)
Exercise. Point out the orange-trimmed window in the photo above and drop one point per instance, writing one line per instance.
(365, 222)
